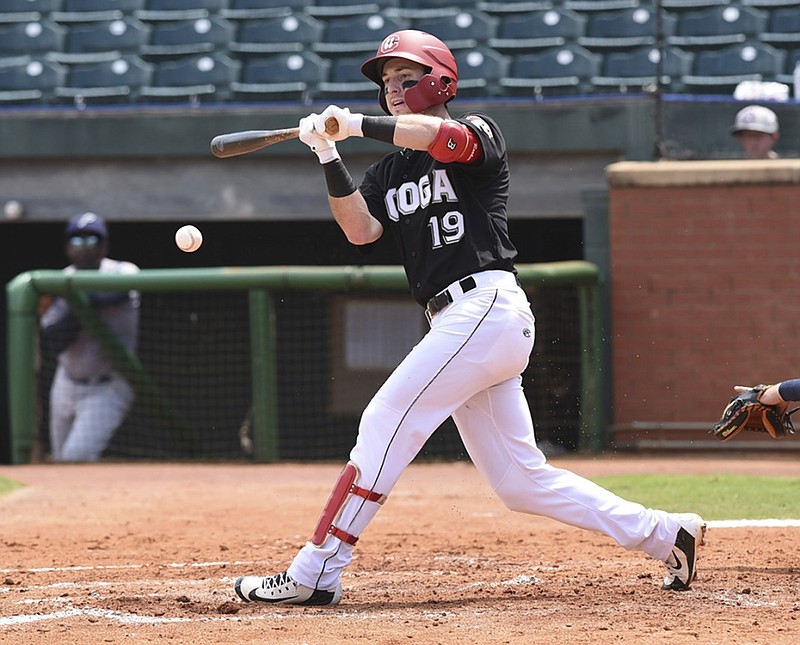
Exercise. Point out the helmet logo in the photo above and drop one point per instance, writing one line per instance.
(390, 43)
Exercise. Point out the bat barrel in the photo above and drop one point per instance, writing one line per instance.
(239, 143)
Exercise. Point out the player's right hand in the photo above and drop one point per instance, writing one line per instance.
(348, 124)
(323, 148)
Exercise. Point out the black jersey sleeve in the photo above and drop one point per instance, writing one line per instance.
(372, 191)
(492, 141)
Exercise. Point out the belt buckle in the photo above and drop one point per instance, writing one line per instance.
(437, 303)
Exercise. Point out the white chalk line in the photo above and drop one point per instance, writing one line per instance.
(100, 567)
(126, 618)
(743, 524)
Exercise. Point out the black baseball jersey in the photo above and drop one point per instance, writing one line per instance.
(449, 219)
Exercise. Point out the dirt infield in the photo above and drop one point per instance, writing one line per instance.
(147, 553)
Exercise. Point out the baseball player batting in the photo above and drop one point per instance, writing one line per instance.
(442, 196)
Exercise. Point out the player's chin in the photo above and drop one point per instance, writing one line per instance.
(399, 108)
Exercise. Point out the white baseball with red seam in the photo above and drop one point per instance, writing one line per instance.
(188, 238)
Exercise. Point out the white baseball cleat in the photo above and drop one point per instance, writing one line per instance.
(681, 564)
(280, 589)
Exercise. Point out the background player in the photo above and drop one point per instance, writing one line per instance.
(88, 398)
(756, 129)
(442, 196)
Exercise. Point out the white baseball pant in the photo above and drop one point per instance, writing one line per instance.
(468, 365)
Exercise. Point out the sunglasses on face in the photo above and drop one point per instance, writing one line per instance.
(84, 241)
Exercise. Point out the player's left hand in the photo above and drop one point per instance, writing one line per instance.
(349, 123)
(323, 148)
(747, 411)
(769, 396)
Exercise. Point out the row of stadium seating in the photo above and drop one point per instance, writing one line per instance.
(305, 76)
(461, 28)
(133, 50)
(80, 10)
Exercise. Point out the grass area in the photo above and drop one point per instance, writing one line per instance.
(715, 497)
(8, 485)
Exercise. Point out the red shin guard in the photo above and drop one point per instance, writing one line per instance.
(344, 487)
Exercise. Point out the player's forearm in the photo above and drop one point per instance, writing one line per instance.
(353, 217)
(786, 390)
(781, 392)
(771, 396)
(416, 131)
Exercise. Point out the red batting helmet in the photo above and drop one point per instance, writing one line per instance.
(437, 87)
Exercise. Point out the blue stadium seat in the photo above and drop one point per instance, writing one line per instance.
(499, 8)
(459, 29)
(96, 41)
(346, 80)
(27, 80)
(480, 70)
(718, 26)
(194, 79)
(771, 4)
(25, 6)
(689, 5)
(361, 34)
(111, 81)
(291, 33)
(251, 9)
(787, 75)
(180, 9)
(638, 70)
(783, 29)
(95, 10)
(538, 30)
(423, 8)
(626, 28)
(26, 10)
(557, 71)
(719, 71)
(289, 76)
(599, 5)
(28, 38)
(185, 37)
(339, 8)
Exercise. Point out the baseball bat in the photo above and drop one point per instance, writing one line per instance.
(240, 143)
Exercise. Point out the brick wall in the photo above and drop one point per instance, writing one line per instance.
(705, 289)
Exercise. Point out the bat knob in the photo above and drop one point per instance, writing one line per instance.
(217, 147)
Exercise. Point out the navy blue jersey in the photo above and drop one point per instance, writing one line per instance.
(449, 219)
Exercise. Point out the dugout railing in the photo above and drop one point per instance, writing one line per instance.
(242, 362)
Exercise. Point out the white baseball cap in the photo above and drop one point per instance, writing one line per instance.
(755, 118)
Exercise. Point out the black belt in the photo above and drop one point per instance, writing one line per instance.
(441, 300)
(95, 380)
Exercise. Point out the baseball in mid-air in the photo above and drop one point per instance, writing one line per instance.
(188, 238)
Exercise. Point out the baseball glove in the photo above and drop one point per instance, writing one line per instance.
(746, 412)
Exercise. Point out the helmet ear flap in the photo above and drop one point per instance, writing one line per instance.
(382, 100)
(429, 91)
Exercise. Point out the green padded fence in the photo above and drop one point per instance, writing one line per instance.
(262, 284)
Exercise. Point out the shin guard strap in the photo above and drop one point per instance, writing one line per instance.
(343, 536)
(369, 495)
